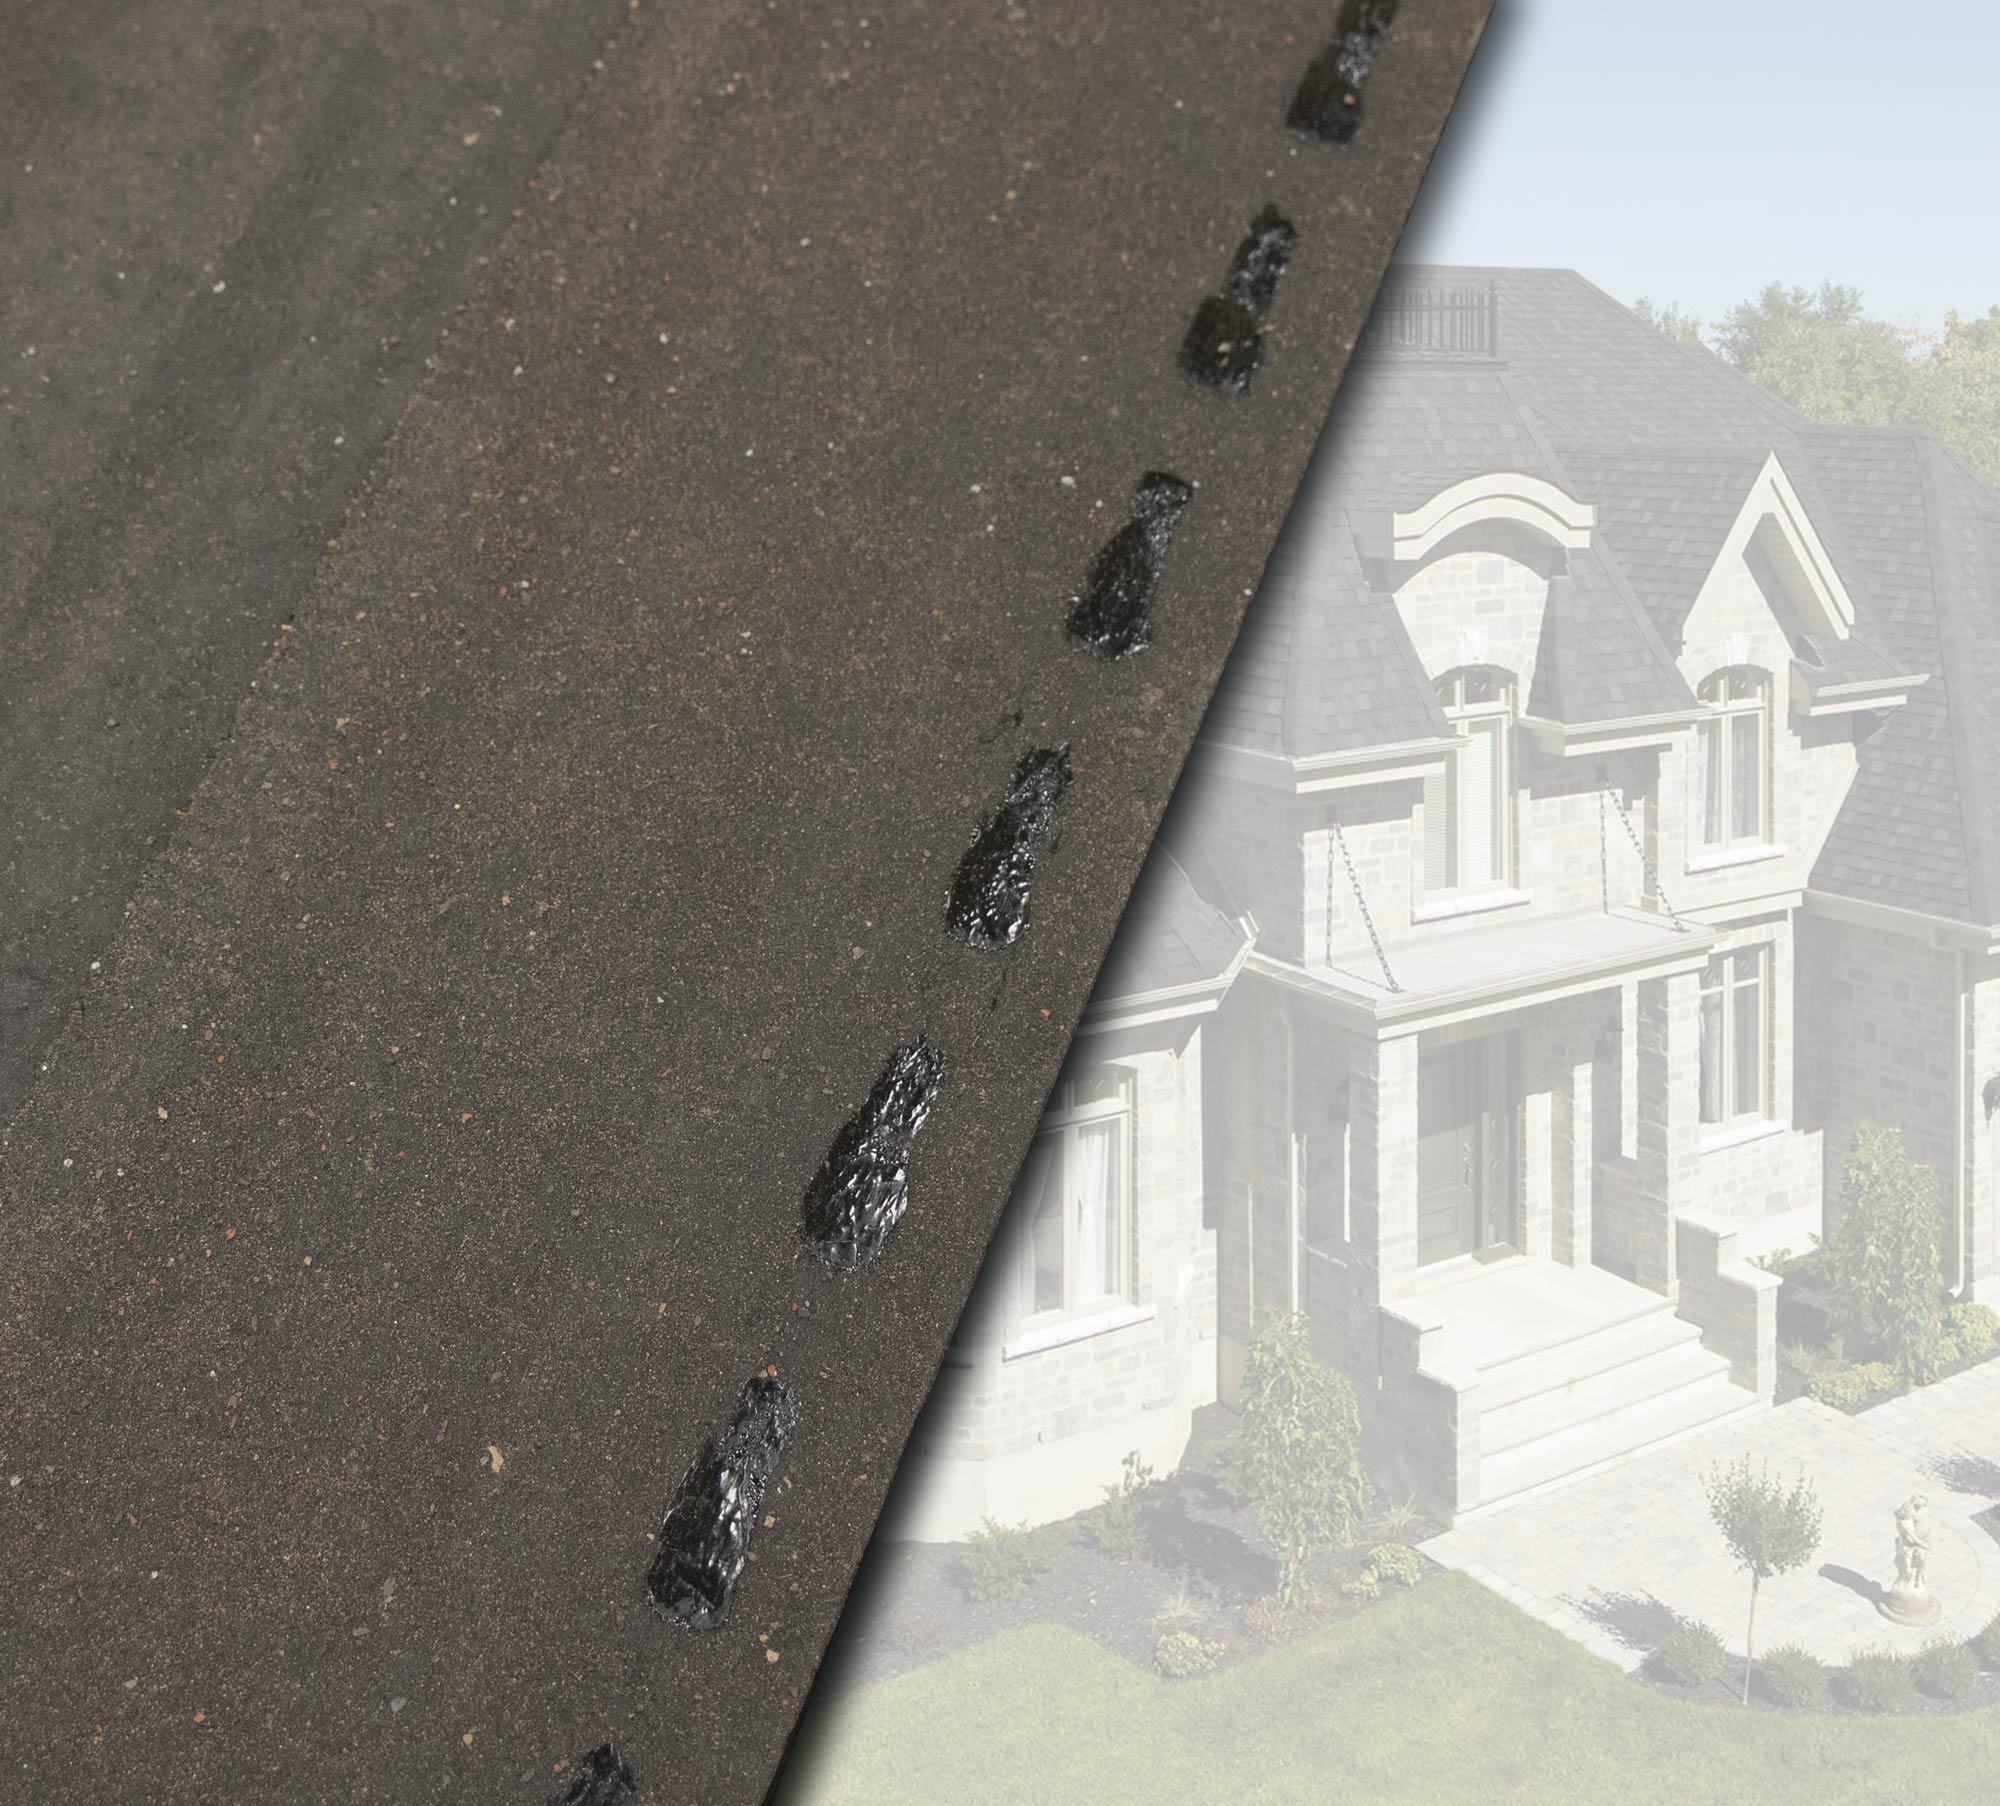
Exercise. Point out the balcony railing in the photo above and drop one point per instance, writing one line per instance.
(1421, 318)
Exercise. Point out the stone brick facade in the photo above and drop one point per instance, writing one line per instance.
(1033, 1425)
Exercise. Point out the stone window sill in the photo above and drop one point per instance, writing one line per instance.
(1075, 1329)
(1721, 858)
(1736, 1137)
(1472, 903)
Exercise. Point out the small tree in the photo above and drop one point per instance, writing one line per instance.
(1768, 1529)
(1884, 1266)
(1298, 1454)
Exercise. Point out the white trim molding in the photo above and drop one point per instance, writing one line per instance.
(1407, 536)
(1398, 762)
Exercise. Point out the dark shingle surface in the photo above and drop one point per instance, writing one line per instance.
(1667, 512)
(1324, 665)
(1918, 829)
(1599, 658)
(580, 857)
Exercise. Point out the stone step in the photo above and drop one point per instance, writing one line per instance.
(1557, 1365)
(1582, 1447)
(1590, 1397)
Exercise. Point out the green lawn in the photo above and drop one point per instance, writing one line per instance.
(1446, 1694)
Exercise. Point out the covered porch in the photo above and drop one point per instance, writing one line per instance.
(1453, 1265)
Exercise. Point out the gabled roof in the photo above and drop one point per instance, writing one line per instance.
(1668, 512)
(1921, 825)
(1324, 665)
(1599, 657)
(1666, 442)
(1172, 940)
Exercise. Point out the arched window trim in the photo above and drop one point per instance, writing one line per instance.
(1731, 753)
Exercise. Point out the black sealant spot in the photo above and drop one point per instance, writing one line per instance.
(705, 1539)
(1112, 615)
(1327, 106)
(988, 905)
(602, 1778)
(862, 1187)
(1225, 339)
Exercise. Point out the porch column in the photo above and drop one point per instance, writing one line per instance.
(1382, 1119)
(1667, 1061)
(1575, 1055)
(1539, 1174)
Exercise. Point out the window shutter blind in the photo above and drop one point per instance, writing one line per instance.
(1479, 794)
(1438, 863)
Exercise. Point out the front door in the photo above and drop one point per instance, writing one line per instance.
(1465, 1148)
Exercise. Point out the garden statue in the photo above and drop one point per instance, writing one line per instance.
(1910, 1600)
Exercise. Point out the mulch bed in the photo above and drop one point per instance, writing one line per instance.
(1206, 1560)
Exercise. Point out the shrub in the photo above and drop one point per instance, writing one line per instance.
(1973, 1330)
(1885, 1271)
(1946, 1670)
(1852, 1387)
(1270, 1619)
(1692, 1655)
(1986, 1645)
(1399, 1517)
(1808, 1361)
(1300, 1449)
(1002, 1560)
(1387, 1563)
(1180, 1655)
(1877, 1680)
(1791, 1676)
(1122, 1527)
(1397, 1562)
(1178, 1610)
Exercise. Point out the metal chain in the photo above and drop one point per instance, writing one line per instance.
(1646, 865)
(1367, 919)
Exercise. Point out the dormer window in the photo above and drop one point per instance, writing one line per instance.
(1468, 813)
(1732, 754)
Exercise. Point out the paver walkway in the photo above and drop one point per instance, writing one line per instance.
(1616, 1558)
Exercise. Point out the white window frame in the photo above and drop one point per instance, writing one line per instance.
(1063, 1125)
(1718, 728)
(1467, 718)
(1725, 980)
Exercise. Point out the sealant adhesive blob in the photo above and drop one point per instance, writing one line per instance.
(988, 903)
(602, 1778)
(1112, 615)
(1328, 104)
(1225, 339)
(705, 1538)
(862, 1187)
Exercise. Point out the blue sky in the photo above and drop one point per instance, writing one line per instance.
(1694, 151)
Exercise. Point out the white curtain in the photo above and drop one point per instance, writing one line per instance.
(1100, 1203)
(1038, 1205)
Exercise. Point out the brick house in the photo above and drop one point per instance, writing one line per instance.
(1592, 827)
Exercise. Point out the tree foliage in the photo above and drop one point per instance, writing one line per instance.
(1885, 1271)
(1821, 351)
(1770, 1529)
(1298, 1453)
